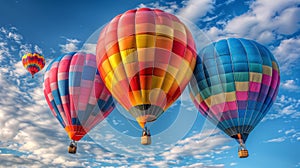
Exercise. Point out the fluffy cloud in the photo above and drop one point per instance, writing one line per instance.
(266, 18)
(170, 7)
(193, 10)
(284, 107)
(288, 53)
(290, 85)
(70, 46)
(199, 146)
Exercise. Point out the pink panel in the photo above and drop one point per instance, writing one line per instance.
(254, 86)
(242, 95)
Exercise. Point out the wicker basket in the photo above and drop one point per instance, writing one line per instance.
(146, 140)
(243, 153)
(72, 149)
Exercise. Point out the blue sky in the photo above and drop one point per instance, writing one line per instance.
(31, 137)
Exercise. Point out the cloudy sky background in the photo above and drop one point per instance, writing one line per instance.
(31, 137)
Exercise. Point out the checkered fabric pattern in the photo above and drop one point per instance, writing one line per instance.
(76, 94)
(146, 58)
(236, 83)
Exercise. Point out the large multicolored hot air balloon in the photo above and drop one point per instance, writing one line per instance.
(146, 58)
(76, 94)
(33, 62)
(236, 83)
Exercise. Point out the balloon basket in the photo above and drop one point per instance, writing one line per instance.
(243, 153)
(72, 148)
(146, 140)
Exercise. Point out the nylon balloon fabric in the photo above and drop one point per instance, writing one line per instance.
(76, 94)
(146, 58)
(33, 62)
(236, 83)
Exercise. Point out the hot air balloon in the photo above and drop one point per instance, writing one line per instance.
(33, 62)
(236, 83)
(76, 94)
(146, 58)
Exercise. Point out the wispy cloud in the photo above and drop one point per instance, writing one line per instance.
(266, 18)
(292, 135)
(170, 7)
(194, 10)
(290, 85)
(199, 146)
(284, 107)
(288, 53)
(281, 139)
(70, 46)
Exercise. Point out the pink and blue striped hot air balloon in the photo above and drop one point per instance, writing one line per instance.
(76, 94)
(236, 83)
(33, 62)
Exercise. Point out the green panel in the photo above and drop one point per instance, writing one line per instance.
(241, 76)
(253, 67)
(229, 87)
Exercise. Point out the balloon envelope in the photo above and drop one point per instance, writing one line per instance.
(236, 83)
(146, 58)
(76, 94)
(33, 62)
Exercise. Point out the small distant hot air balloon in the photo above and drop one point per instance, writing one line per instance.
(76, 94)
(146, 58)
(33, 62)
(236, 83)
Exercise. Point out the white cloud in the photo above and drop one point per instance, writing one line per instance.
(233, 164)
(284, 107)
(290, 85)
(199, 145)
(290, 131)
(281, 139)
(266, 18)
(89, 48)
(193, 10)
(288, 53)
(70, 46)
(170, 7)
(11, 34)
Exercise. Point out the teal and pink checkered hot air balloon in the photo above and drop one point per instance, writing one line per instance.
(76, 94)
(236, 82)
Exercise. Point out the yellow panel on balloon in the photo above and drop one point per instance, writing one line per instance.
(167, 82)
(267, 70)
(127, 42)
(157, 81)
(106, 66)
(145, 96)
(241, 86)
(184, 67)
(172, 71)
(115, 60)
(255, 77)
(180, 27)
(137, 97)
(129, 55)
(275, 66)
(145, 40)
(163, 30)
